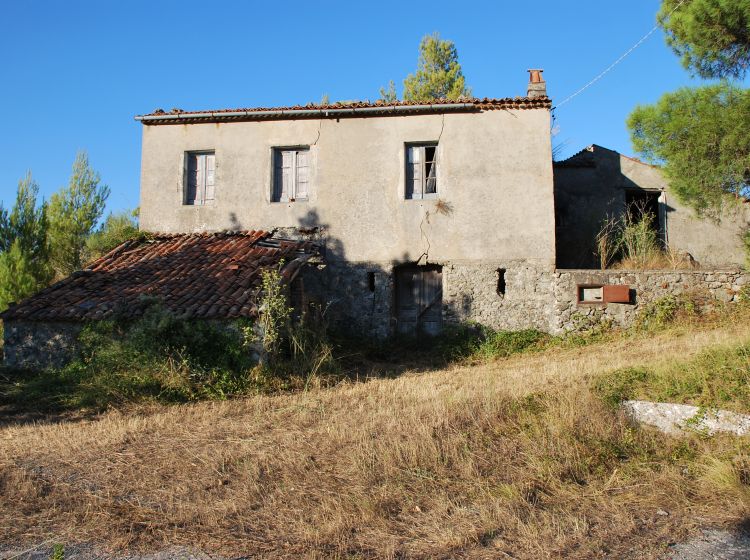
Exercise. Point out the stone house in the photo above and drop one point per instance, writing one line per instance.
(203, 276)
(419, 214)
(426, 212)
(597, 183)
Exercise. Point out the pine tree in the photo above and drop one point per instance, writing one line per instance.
(74, 212)
(24, 248)
(711, 36)
(438, 74)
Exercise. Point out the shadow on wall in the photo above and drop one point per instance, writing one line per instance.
(365, 298)
(590, 187)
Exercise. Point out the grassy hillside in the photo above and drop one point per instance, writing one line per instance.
(521, 457)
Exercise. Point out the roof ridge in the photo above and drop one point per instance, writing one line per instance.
(377, 108)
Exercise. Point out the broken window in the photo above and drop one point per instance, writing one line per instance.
(421, 171)
(200, 170)
(291, 174)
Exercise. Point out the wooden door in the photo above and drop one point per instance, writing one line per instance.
(419, 300)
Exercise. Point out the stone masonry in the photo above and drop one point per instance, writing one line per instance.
(39, 344)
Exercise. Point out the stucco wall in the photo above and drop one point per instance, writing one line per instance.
(494, 174)
(592, 185)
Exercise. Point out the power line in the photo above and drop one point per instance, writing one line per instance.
(616, 62)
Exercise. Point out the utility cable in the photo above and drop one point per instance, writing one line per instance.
(616, 62)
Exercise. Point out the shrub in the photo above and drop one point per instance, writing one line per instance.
(666, 310)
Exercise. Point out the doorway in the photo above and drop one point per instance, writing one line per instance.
(419, 299)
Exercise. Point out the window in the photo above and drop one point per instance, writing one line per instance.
(200, 170)
(421, 171)
(291, 174)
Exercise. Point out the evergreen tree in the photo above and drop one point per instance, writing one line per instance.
(711, 36)
(24, 248)
(438, 74)
(116, 229)
(701, 137)
(74, 212)
(389, 95)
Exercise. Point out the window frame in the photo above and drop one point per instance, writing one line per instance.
(292, 196)
(200, 190)
(424, 178)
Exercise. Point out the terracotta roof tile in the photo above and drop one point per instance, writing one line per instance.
(203, 275)
(342, 109)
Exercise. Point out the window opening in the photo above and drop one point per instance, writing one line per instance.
(421, 171)
(291, 176)
(500, 281)
(200, 170)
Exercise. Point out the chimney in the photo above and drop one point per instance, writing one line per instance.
(537, 85)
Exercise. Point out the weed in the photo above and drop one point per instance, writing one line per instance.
(665, 310)
(718, 378)
(58, 552)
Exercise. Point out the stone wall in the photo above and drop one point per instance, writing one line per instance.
(529, 297)
(39, 345)
(645, 286)
(358, 298)
(472, 292)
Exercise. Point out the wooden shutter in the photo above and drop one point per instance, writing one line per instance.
(302, 175)
(282, 175)
(414, 171)
(191, 187)
(210, 169)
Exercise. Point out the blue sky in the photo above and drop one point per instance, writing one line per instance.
(76, 72)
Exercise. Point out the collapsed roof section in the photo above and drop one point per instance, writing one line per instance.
(202, 275)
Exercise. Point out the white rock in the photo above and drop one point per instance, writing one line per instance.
(673, 418)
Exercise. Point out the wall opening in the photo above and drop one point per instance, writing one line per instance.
(641, 204)
(500, 288)
(371, 281)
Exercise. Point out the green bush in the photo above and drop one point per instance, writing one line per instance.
(501, 344)
(666, 310)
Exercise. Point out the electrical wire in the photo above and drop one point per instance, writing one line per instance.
(616, 62)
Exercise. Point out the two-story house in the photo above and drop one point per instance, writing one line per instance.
(426, 211)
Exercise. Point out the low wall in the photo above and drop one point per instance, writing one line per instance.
(645, 286)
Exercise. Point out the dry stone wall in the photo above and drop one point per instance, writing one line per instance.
(39, 345)
(645, 286)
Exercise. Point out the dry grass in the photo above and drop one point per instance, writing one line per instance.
(515, 458)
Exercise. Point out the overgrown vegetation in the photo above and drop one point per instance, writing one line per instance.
(163, 358)
(631, 241)
(160, 357)
(515, 457)
(717, 378)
